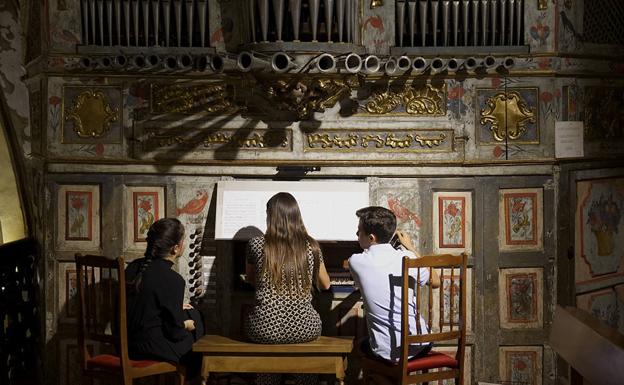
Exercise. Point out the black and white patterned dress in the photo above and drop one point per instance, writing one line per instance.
(275, 318)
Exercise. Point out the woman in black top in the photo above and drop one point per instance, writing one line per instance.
(160, 325)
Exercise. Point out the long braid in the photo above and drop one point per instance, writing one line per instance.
(161, 237)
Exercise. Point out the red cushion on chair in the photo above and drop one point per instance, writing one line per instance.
(110, 362)
(432, 360)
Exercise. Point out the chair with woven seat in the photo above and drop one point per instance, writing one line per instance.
(101, 293)
(449, 331)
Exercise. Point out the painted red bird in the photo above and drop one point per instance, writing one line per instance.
(402, 213)
(375, 22)
(195, 205)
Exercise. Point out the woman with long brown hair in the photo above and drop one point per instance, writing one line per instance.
(285, 265)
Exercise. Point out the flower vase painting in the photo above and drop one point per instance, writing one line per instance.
(599, 229)
(144, 206)
(78, 217)
(520, 219)
(452, 222)
(520, 298)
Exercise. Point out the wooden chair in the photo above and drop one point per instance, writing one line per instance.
(435, 365)
(102, 294)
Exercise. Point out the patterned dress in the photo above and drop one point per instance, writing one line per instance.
(280, 319)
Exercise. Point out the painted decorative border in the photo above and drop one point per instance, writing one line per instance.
(139, 215)
(521, 298)
(445, 279)
(520, 364)
(78, 217)
(599, 226)
(452, 214)
(521, 212)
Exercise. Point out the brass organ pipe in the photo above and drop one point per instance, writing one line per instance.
(278, 11)
(423, 21)
(484, 13)
(156, 22)
(264, 18)
(434, 17)
(167, 14)
(201, 7)
(295, 16)
(126, 5)
(474, 5)
(445, 19)
(146, 18)
(135, 18)
(400, 10)
(329, 14)
(252, 19)
(340, 14)
(109, 16)
(411, 5)
(177, 8)
(190, 15)
(314, 10)
(493, 15)
(455, 21)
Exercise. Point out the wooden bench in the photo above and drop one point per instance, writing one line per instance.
(325, 355)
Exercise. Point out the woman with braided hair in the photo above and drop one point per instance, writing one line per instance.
(160, 325)
(285, 265)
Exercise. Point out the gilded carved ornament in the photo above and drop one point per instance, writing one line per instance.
(306, 96)
(376, 3)
(388, 140)
(417, 100)
(176, 98)
(268, 139)
(508, 115)
(92, 114)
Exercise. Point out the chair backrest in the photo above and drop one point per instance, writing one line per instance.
(449, 308)
(101, 293)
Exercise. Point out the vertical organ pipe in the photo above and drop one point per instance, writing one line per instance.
(100, 11)
(349, 13)
(135, 18)
(329, 15)
(445, 19)
(518, 21)
(85, 23)
(512, 4)
(202, 5)
(92, 18)
(493, 25)
(503, 21)
(278, 11)
(155, 24)
(127, 20)
(190, 15)
(434, 26)
(146, 23)
(423, 21)
(412, 20)
(464, 7)
(295, 16)
(484, 17)
(400, 10)
(177, 8)
(264, 18)
(455, 21)
(118, 20)
(474, 5)
(109, 21)
(314, 10)
(340, 13)
(252, 19)
(167, 14)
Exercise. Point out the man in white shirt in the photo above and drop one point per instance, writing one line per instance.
(377, 272)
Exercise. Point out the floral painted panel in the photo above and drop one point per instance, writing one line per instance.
(143, 206)
(520, 219)
(451, 288)
(599, 230)
(520, 364)
(452, 222)
(521, 298)
(78, 217)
